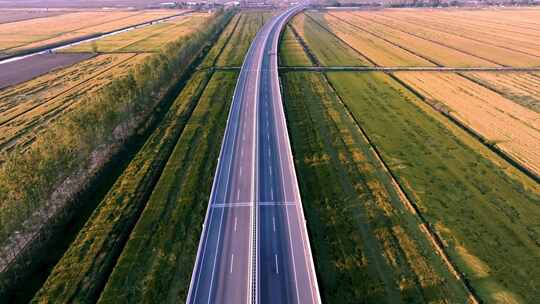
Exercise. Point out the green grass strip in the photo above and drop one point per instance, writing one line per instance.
(157, 262)
(486, 213)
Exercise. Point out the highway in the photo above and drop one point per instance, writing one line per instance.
(254, 246)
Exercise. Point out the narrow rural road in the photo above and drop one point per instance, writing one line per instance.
(254, 245)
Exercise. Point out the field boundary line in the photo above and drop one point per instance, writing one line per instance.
(431, 236)
(343, 41)
(73, 30)
(6, 143)
(425, 225)
(470, 38)
(485, 142)
(436, 42)
(386, 40)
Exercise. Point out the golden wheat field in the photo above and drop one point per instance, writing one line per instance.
(509, 126)
(523, 88)
(427, 37)
(146, 39)
(35, 33)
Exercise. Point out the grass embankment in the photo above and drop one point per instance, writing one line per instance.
(157, 261)
(85, 268)
(368, 247)
(484, 210)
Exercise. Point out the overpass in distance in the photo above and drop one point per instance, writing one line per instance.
(254, 246)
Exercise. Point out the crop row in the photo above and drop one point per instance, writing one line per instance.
(154, 77)
(37, 33)
(484, 210)
(503, 123)
(147, 39)
(368, 246)
(165, 180)
(523, 88)
(329, 50)
(441, 43)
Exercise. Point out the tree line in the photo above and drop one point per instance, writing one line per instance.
(35, 184)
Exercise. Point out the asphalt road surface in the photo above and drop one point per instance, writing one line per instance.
(254, 246)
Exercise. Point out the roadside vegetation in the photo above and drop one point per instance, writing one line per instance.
(64, 158)
(84, 269)
(368, 246)
(248, 26)
(165, 180)
(158, 259)
(484, 210)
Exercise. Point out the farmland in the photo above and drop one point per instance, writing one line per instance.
(31, 106)
(420, 183)
(420, 38)
(16, 37)
(368, 246)
(166, 179)
(523, 88)
(147, 39)
(376, 152)
(28, 107)
(151, 77)
(511, 127)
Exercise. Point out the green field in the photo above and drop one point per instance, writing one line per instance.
(166, 161)
(86, 265)
(485, 211)
(367, 245)
(156, 264)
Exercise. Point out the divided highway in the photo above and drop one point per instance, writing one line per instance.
(254, 246)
